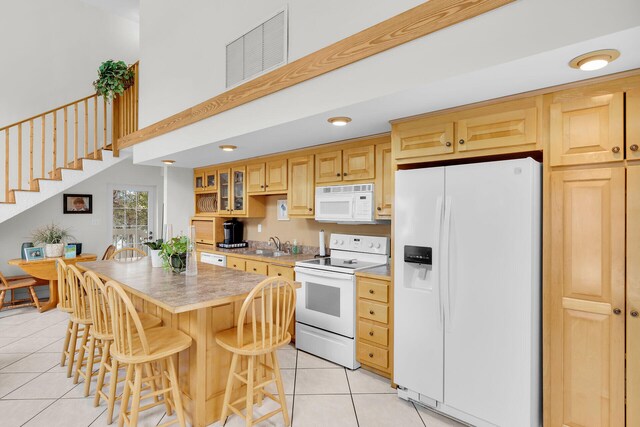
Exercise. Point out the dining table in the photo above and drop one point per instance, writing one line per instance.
(46, 269)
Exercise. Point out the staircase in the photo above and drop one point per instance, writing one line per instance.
(53, 151)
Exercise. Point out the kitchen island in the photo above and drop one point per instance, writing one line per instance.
(199, 306)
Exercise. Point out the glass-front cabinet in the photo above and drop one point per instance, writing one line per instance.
(224, 192)
(232, 194)
(239, 191)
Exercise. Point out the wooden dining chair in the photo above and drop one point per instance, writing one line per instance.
(263, 327)
(64, 304)
(81, 317)
(107, 253)
(12, 284)
(102, 330)
(137, 347)
(128, 254)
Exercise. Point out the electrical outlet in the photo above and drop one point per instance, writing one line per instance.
(259, 228)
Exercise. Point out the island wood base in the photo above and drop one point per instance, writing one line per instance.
(204, 367)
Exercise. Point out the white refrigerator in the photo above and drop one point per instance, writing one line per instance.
(467, 279)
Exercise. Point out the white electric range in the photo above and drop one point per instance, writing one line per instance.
(326, 302)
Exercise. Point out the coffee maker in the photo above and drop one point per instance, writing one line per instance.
(233, 232)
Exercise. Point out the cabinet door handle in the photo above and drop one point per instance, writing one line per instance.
(338, 174)
(255, 269)
(448, 143)
(310, 209)
(262, 186)
(370, 333)
(344, 174)
(266, 186)
(634, 313)
(617, 311)
(616, 149)
(379, 208)
(634, 147)
(461, 142)
(279, 274)
(371, 312)
(371, 291)
(370, 354)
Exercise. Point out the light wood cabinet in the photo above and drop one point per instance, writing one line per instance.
(422, 138)
(500, 130)
(276, 179)
(587, 130)
(256, 178)
(384, 181)
(633, 296)
(301, 196)
(374, 341)
(329, 167)
(211, 180)
(281, 271)
(236, 263)
(257, 267)
(358, 163)
(198, 181)
(633, 125)
(587, 347)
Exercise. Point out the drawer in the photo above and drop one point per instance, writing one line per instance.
(372, 355)
(373, 311)
(371, 332)
(281, 270)
(257, 267)
(236, 263)
(377, 290)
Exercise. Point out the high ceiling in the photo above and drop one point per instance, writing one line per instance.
(129, 9)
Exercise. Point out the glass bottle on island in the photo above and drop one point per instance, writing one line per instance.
(192, 257)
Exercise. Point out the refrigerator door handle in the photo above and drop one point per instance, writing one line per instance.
(437, 233)
(445, 263)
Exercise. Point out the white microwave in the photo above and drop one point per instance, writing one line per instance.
(345, 204)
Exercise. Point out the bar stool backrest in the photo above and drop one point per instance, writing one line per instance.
(75, 281)
(270, 305)
(128, 255)
(64, 296)
(100, 315)
(128, 333)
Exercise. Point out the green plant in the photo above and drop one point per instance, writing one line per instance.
(50, 234)
(174, 253)
(113, 78)
(154, 245)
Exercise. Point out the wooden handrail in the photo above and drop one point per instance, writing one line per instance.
(122, 115)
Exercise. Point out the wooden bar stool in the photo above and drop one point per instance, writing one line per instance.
(137, 347)
(103, 333)
(81, 316)
(263, 327)
(64, 304)
(128, 255)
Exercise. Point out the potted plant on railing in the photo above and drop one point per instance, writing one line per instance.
(53, 238)
(154, 252)
(114, 77)
(174, 254)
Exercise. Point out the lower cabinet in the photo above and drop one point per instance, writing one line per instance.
(374, 345)
(257, 267)
(236, 263)
(633, 296)
(281, 270)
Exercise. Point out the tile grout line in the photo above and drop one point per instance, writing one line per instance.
(418, 412)
(355, 412)
(295, 380)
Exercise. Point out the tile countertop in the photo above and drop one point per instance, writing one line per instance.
(381, 272)
(177, 293)
(289, 260)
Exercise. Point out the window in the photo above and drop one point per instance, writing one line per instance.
(132, 216)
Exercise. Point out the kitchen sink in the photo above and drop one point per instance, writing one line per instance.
(266, 253)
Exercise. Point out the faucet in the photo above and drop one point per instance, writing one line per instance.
(276, 241)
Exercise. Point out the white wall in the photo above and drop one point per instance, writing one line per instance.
(182, 44)
(51, 51)
(178, 193)
(92, 230)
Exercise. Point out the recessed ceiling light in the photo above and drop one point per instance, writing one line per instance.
(339, 121)
(594, 60)
(228, 147)
(168, 162)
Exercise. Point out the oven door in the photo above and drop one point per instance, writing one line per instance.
(333, 207)
(326, 300)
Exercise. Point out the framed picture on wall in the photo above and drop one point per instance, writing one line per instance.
(283, 211)
(77, 203)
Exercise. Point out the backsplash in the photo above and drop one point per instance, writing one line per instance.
(287, 246)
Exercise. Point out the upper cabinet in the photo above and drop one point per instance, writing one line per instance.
(329, 167)
(269, 177)
(587, 130)
(384, 181)
(239, 197)
(497, 129)
(211, 180)
(633, 124)
(358, 163)
(198, 181)
(301, 186)
(255, 178)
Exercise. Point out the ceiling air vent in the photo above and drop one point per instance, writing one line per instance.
(259, 50)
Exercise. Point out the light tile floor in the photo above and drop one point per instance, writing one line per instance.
(35, 391)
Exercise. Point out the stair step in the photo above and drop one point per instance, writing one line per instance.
(35, 184)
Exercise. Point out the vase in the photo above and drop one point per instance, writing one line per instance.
(156, 259)
(24, 246)
(54, 250)
(178, 262)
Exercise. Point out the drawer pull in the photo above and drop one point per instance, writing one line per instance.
(279, 274)
(370, 333)
(616, 149)
(370, 354)
(255, 269)
(371, 312)
(371, 291)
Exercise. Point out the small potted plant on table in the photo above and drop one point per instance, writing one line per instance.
(174, 254)
(154, 252)
(53, 238)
